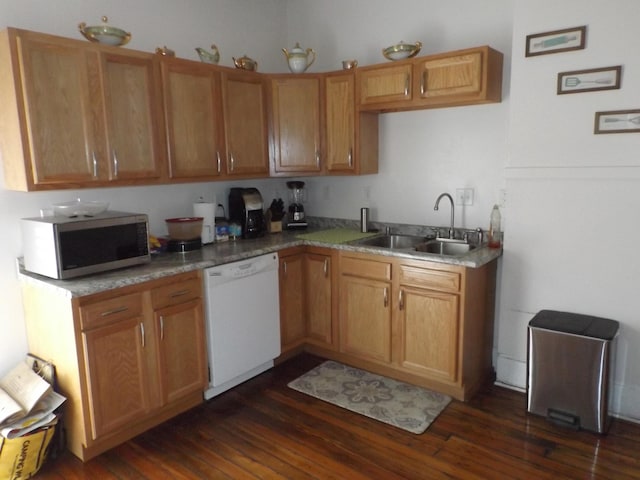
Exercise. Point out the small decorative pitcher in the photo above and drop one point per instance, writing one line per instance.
(298, 58)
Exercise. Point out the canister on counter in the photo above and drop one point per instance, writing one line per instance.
(364, 220)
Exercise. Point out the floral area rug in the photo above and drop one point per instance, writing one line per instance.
(396, 403)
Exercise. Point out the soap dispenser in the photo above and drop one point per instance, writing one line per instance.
(494, 228)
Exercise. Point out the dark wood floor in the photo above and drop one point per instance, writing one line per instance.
(262, 429)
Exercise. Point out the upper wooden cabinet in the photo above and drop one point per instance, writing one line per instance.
(351, 137)
(244, 102)
(75, 114)
(462, 77)
(194, 123)
(385, 84)
(296, 125)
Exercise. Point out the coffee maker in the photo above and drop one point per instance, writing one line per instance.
(246, 208)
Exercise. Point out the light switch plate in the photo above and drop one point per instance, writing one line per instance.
(464, 196)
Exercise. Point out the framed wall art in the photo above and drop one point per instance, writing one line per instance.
(607, 78)
(556, 41)
(617, 121)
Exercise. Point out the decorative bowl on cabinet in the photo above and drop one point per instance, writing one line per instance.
(245, 63)
(401, 50)
(206, 56)
(104, 33)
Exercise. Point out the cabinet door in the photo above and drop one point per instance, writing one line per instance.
(193, 115)
(429, 333)
(61, 85)
(292, 321)
(450, 76)
(296, 124)
(181, 355)
(385, 84)
(365, 318)
(117, 374)
(340, 121)
(318, 297)
(132, 111)
(244, 106)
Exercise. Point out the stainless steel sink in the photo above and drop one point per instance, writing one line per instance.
(445, 247)
(395, 241)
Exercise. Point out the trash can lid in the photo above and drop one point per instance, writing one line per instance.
(575, 323)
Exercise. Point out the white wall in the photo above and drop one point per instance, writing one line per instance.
(571, 242)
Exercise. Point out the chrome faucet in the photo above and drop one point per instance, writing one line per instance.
(451, 230)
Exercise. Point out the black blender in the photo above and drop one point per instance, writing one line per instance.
(295, 216)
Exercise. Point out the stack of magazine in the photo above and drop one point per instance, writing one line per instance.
(27, 402)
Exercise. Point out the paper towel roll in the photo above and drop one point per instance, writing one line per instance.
(208, 212)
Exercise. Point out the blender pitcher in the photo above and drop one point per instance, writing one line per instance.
(295, 216)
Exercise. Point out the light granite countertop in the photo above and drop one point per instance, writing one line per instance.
(165, 264)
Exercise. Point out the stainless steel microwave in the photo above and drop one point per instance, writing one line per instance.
(61, 247)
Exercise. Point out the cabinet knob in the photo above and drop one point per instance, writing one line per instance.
(326, 267)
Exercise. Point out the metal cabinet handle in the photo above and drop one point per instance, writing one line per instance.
(218, 161)
(386, 297)
(179, 293)
(232, 162)
(142, 333)
(161, 327)
(401, 300)
(317, 159)
(350, 157)
(115, 163)
(326, 267)
(423, 82)
(406, 85)
(95, 164)
(114, 311)
(284, 267)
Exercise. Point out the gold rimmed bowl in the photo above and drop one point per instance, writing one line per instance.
(401, 50)
(104, 34)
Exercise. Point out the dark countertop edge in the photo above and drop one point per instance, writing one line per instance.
(167, 264)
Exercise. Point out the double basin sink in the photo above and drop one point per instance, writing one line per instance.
(439, 246)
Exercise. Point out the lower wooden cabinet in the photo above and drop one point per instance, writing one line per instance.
(320, 287)
(428, 316)
(127, 359)
(423, 322)
(292, 320)
(307, 293)
(365, 308)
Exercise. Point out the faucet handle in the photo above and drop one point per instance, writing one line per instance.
(480, 236)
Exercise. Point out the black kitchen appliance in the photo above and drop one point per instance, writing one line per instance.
(246, 208)
(295, 217)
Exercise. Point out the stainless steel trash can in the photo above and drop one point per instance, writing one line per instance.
(569, 357)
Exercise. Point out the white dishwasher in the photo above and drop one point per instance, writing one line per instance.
(243, 320)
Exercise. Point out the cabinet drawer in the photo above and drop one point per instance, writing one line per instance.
(176, 293)
(365, 268)
(112, 310)
(427, 278)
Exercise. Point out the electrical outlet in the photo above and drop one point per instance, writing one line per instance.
(502, 199)
(464, 196)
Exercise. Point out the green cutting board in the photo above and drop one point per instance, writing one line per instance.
(335, 235)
